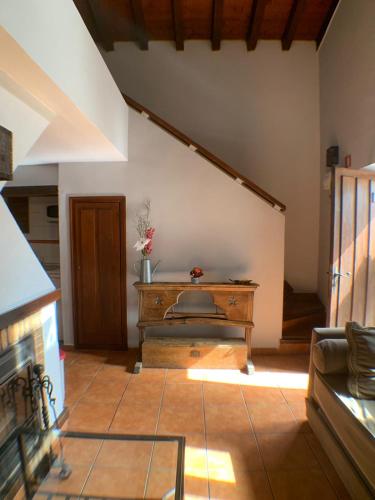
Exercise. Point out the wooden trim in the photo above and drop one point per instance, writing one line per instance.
(45, 242)
(6, 166)
(256, 19)
(265, 351)
(331, 320)
(124, 272)
(294, 18)
(195, 321)
(217, 23)
(67, 347)
(203, 286)
(285, 348)
(326, 22)
(353, 172)
(124, 326)
(221, 165)
(139, 21)
(178, 24)
(27, 191)
(19, 313)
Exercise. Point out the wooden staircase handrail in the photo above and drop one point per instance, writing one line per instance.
(220, 164)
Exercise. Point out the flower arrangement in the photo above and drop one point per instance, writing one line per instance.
(195, 274)
(145, 231)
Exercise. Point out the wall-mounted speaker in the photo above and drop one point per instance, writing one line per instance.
(332, 156)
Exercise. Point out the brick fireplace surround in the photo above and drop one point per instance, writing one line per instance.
(33, 320)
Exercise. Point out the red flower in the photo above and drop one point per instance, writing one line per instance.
(148, 248)
(150, 233)
(196, 272)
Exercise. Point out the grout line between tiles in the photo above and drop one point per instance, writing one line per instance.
(91, 468)
(205, 440)
(86, 388)
(257, 444)
(118, 404)
(156, 429)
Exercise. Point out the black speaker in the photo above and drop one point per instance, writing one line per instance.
(53, 211)
(332, 156)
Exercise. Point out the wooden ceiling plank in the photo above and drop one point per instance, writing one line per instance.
(140, 26)
(94, 20)
(217, 23)
(256, 18)
(327, 20)
(292, 23)
(178, 24)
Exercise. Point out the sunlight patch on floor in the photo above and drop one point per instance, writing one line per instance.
(221, 467)
(188, 496)
(195, 462)
(293, 380)
(280, 379)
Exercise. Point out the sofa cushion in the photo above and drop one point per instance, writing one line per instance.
(352, 420)
(330, 356)
(361, 360)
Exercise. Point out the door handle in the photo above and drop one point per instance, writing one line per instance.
(342, 275)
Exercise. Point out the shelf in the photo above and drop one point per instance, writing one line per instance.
(195, 321)
(45, 242)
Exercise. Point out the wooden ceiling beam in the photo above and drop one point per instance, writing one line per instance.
(325, 24)
(139, 21)
(94, 20)
(217, 23)
(178, 24)
(256, 18)
(291, 26)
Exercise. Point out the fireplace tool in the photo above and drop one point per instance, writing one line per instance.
(41, 390)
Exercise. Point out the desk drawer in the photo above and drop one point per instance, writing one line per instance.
(156, 304)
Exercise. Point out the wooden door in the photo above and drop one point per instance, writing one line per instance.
(352, 266)
(99, 271)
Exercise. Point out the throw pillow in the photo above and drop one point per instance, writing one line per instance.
(361, 360)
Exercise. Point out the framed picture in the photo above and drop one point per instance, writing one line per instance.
(6, 154)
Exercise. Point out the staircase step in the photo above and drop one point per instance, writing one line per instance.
(288, 290)
(290, 346)
(298, 305)
(301, 328)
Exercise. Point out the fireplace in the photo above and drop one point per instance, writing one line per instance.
(17, 408)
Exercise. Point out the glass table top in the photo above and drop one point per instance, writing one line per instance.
(76, 465)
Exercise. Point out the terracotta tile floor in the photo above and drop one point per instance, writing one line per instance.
(247, 436)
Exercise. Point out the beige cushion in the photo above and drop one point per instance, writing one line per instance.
(330, 356)
(361, 360)
(352, 420)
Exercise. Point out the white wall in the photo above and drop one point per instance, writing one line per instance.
(347, 101)
(35, 175)
(24, 122)
(202, 218)
(51, 356)
(22, 278)
(55, 37)
(258, 111)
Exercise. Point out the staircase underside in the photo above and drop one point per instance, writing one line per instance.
(302, 313)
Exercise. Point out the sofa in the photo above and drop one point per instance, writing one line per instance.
(344, 425)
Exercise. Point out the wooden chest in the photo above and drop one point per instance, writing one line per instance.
(172, 352)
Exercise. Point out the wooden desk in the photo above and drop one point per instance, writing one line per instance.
(156, 301)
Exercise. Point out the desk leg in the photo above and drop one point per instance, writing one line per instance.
(138, 364)
(250, 364)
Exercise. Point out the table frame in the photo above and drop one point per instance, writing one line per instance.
(156, 301)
